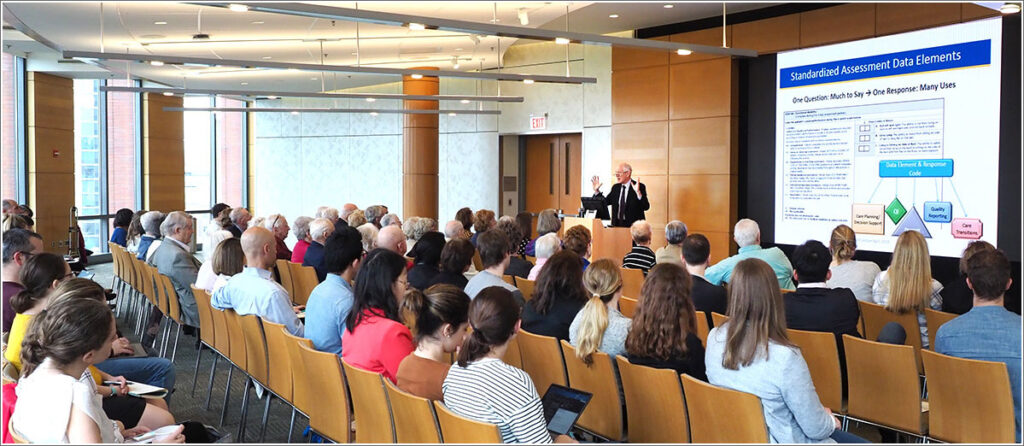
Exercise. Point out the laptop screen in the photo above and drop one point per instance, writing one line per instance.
(563, 406)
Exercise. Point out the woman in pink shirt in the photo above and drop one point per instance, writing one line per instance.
(375, 339)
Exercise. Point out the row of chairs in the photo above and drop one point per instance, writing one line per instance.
(632, 281)
(297, 279)
(141, 289)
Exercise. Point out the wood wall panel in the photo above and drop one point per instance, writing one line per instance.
(44, 141)
(721, 244)
(657, 191)
(163, 148)
(892, 18)
(971, 11)
(704, 146)
(657, 237)
(165, 157)
(837, 24)
(631, 58)
(643, 145)
(51, 196)
(768, 35)
(163, 124)
(703, 202)
(164, 192)
(640, 94)
(703, 89)
(708, 37)
(51, 180)
(424, 159)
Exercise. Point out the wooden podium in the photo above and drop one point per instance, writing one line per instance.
(608, 243)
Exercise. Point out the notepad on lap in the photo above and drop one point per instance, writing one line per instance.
(141, 390)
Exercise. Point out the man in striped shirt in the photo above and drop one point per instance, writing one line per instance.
(640, 257)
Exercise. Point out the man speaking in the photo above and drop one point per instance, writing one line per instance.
(628, 197)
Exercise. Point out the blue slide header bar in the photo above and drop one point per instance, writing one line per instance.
(914, 61)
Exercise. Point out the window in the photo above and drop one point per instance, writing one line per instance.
(123, 147)
(13, 115)
(230, 153)
(88, 166)
(197, 155)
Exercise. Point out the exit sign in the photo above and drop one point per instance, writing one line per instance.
(538, 122)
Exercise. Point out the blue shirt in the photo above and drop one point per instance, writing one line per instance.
(144, 242)
(119, 236)
(253, 291)
(986, 333)
(326, 311)
(722, 271)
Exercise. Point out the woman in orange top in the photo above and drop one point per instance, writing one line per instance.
(439, 317)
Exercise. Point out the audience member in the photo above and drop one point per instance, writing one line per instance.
(392, 238)
(640, 257)
(206, 278)
(706, 297)
(957, 296)
(17, 221)
(465, 216)
(517, 266)
(346, 211)
(427, 257)
(747, 235)
(547, 222)
(356, 218)
(907, 286)
(599, 326)
(56, 404)
(220, 218)
(857, 275)
(814, 306)
(319, 230)
(390, 219)
(239, 221)
(752, 353)
(410, 234)
(493, 248)
(40, 276)
(987, 332)
(19, 246)
(257, 221)
(664, 330)
(375, 338)
(675, 233)
(546, 246)
(330, 302)
(456, 259)
(278, 225)
(301, 232)
(579, 241)
(482, 221)
(228, 259)
(122, 219)
(327, 212)
(482, 387)
(369, 233)
(374, 214)
(10, 206)
(438, 318)
(253, 291)
(173, 258)
(525, 222)
(135, 232)
(453, 230)
(557, 298)
(150, 241)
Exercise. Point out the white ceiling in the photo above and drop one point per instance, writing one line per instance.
(137, 27)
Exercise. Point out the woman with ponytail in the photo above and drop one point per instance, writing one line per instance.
(482, 387)
(664, 330)
(55, 405)
(857, 275)
(599, 326)
(438, 318)
(41, 275)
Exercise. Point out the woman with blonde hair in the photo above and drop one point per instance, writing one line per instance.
(664, 330)
(599, 326)
(908, 284)
(857, 275)
(752, 353)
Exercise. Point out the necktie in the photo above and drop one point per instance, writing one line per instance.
(622, 203)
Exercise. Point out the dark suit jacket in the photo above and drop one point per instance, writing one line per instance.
(635, 207)
(822, 309)
(708, 298)
(519, 267)
(234, 230)
(315, 258)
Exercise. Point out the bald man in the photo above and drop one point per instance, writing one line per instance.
(253, 291)
(392, 238)
(628, 197)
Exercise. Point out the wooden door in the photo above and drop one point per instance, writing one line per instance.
(570, 154)
(552, 172)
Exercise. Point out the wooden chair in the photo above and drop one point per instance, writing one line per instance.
(509, 279)
(821, 354)
(173, 307)
(207, 333)
(257, 366)
(632, 282)
(415, 421)
(221, 346)
(969, 401)
(720, 415)
(542, 360)
(284, 272)
(718, 319)
(702, 327)
(513, 355)
(15, 436)
(302, 390)
(369, 406)
(883, 384)
(303, 281)
(933, 320)
(459, 429)
(329, 412)
(280, 373)
(526, 287)
(627, 306)
(478, 263)
(603, 416)
(236, 354)
(655, 409)
(531, 259)
(876, 316)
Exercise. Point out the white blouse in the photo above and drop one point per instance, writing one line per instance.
(45, 399)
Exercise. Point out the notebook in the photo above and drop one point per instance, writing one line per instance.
(563, 406)
(141, 390)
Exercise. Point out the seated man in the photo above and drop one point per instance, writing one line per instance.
(706, 297)
(19, 245)
(173, 258)
(675, 233)
(331, 301)
(151, 239)
(319, 230)
(253, 291)
(493, 245)
(391, 238)
(988, 332)
(277, 224)
(239, 221)
(640, 257)
(813, 306)
(748, 236)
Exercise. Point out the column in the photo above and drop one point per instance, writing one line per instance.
(419, 149)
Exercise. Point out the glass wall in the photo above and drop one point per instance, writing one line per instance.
(88, 167)
(12, 115)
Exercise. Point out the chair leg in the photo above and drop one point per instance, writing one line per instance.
(291, 425)
(245, 410)
(175, 350)
(209, 389)
(266, 415)
(227, 391)
(195, 375)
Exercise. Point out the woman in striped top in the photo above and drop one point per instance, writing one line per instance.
(482, 387)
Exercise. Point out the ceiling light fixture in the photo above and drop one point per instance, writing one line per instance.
(562, 41)
(238, 7)
(295, 111)
(243, 83)
(613, 16)
(451, 114)
(167, 93)
(527, 81)
(156, 63)
(464, 101)
(524, 18)
(371, 99)
(271, 97)
(275, 94)
(160, 22)
(669, 6)
(684, 52)
(455, 62)
(257, 22)
(373, 113)
(417, 27)
(267, 57)
(1010, 8)
(417, 76)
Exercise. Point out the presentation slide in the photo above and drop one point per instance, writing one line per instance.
(891, 134)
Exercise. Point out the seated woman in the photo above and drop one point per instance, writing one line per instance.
(857, 275)
(206, 277)
(439, 318)
(122, 219)
(375, 338)
(301, 231)
(547, 223)
(482, 387)
(908, 286)
(427, 255)
(40, 276)
(751, 353)
(557, 298)
(600, 325)
(55, 405)
(456, 258)
(546, 246)
(664, 330)
(228, 260)
(135, 231)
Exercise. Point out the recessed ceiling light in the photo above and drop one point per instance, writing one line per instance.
(464, 101)
(417, 26)
(156, 63)
(683, 52)
(1010, 8)
(561, 40)
(354, 53)
(373, 113)
(613, 16)
(295, 112)
(244, 83)
(271, 97)
(160, 22)
(451, 114)
(168, 93)
(669, 6)
(417, 76)
(267, 57)
(527, 81)
(371, 99)
(257, 22)
(238, 8)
